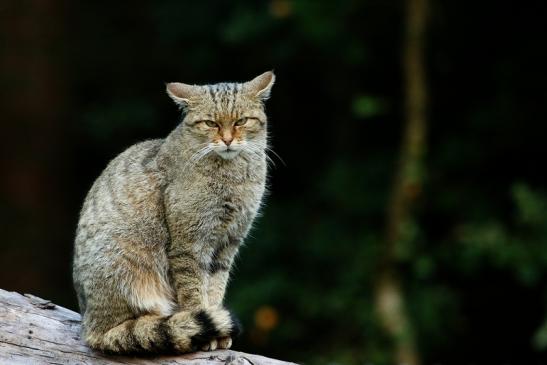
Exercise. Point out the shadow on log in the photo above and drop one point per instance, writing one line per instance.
(36, 331)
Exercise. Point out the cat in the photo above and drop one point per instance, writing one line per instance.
(160, 227)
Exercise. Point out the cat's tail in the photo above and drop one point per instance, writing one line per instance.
(180, 332)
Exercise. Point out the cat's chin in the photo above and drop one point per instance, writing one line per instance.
(228, 154)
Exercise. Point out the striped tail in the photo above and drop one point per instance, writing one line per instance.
(181, 332)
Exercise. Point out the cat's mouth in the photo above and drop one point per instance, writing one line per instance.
(227, 153)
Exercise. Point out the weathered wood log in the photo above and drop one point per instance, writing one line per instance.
(36, 331)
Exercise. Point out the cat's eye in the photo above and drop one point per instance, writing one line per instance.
(241, 122)
(210, 123)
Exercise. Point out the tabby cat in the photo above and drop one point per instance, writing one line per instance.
(160, 227)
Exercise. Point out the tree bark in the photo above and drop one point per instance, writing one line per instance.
(407, 186)
(36, 331)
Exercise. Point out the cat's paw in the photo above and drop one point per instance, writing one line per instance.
(211, 346)
(226, 324)
(224, 342)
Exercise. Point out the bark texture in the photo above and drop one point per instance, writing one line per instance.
(390, 301)
(36, 331)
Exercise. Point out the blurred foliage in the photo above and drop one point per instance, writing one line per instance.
(474, 256)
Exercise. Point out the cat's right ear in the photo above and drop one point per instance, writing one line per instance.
(180, 93)
(261, 85)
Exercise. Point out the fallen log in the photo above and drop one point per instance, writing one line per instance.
(36, 331)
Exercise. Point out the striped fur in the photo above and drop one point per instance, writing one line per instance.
(160, 228)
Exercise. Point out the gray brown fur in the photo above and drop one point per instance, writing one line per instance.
(160, 228)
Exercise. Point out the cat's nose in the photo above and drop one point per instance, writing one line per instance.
(227, 140)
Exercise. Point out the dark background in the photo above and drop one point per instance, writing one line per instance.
(82, 81)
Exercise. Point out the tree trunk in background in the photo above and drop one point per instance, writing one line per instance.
(407, 186)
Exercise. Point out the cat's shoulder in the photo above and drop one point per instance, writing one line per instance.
(145, 148)
(144, 151)
(140, 157)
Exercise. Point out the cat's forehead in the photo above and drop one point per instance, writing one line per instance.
(224, 88)
(224, 95)
(224, 100)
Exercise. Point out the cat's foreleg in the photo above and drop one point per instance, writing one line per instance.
(219, 274)
(190, 279)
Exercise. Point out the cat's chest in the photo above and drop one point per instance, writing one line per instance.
(213, 203)
(232, 202)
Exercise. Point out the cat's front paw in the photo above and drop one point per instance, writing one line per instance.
(210, 346)
(224, 342)
(216, 328)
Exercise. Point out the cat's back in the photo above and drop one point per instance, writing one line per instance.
(126, 199)
(121, 224)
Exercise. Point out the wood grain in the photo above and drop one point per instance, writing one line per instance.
(36, 331)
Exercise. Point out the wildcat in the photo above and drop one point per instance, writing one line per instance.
(160, 227)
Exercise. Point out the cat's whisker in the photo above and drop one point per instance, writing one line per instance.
(268, 149)
(202, 155)
(197, 153)
(194, 158)
(270, 160)
(260, 150)
(194, 154)
(201, 146)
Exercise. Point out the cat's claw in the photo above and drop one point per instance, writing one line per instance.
(211, 346)
(224, 342)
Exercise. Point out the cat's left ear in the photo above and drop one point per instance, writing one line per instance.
(261, 85)
(180, 93)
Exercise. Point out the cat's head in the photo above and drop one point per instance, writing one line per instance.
(226, 118)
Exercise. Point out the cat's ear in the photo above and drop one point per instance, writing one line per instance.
(261, 85)
(180, 93)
